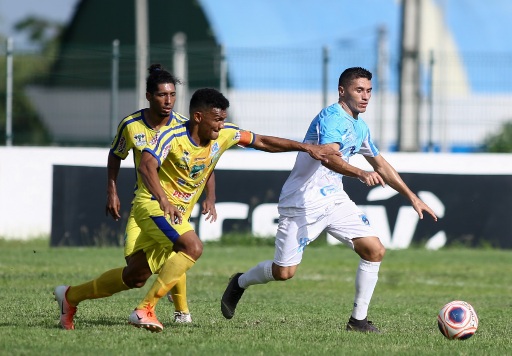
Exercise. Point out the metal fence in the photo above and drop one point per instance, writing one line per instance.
(78, 99)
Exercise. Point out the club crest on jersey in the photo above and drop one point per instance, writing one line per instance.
(215, 149)
(140, 139)
(364, 219)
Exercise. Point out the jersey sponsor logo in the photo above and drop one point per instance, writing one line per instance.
(155, 138)
(186, 197)
(303, 242)
(196, 170)
(181, 208)
(329, 189)
(122, 145)
(165, 151)
(140, 139)
(184, 183)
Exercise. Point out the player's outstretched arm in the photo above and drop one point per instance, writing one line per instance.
(113, 206)
(148, 170)
(339, 165)
(391, 177)
(278, 144)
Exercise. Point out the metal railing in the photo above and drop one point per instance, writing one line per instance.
(79, 99)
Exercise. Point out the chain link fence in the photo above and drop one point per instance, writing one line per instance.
(78, 98)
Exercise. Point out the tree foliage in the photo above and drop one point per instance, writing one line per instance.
(41, 32)
(501, 141)
(27, 126)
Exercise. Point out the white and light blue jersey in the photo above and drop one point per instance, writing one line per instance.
(311, 185)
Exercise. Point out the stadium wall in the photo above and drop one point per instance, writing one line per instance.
(60, 192)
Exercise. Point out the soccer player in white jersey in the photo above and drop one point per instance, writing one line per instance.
(313, 200)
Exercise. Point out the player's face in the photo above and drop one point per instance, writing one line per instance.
(211, 123)
(354, 99)
(162, 100)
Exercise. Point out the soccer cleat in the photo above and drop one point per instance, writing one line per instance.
(146, 319)
(67, 312)
(231, 296)
(180, 317)
(363, 326)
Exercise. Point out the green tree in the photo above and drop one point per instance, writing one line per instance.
(501, 141)
(27, 126)
(43, 33)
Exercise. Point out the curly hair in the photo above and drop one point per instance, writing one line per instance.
(208, 98)
(158, 75)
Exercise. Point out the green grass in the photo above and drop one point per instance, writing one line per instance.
(303, 316)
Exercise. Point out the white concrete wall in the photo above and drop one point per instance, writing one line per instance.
(26, 176)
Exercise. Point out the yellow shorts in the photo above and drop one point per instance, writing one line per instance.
(148, 230)
(131, 233)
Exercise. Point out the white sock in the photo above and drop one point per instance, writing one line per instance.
(259, 274)
(366, 280)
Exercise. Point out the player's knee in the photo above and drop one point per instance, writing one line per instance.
(370, 249)
(376, 254)
(194, 249)
(135, 278)
(282, 274)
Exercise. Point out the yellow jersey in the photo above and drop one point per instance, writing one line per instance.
(134, 134)
(184, 167)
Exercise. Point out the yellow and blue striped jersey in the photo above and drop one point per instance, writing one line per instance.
(134, 133)
(184, 167)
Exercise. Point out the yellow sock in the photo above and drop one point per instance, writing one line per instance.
(105, 285)
(179, 295)
(171, 272)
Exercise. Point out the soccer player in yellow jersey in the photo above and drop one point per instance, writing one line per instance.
(134, 133)
(174, 172)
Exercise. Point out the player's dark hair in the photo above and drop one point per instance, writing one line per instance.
(207, 98)
(350, 74)
(158, 75)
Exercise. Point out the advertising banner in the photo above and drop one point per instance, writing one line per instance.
(473, 210)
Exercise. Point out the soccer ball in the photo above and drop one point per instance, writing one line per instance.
(457, 320)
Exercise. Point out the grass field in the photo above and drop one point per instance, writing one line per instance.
(304, 316)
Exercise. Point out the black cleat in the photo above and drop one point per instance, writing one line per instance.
(363, 326)
(231, 296)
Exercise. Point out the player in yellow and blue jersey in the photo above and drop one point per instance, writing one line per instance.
(134, 133)
(174, 173)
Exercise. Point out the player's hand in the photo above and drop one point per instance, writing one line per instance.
(113, 206)
(171, 212)
(209, 210)
(371, 179)
(421, 207)
(322, 152)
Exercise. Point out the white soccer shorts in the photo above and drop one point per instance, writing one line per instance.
(344, 221)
